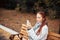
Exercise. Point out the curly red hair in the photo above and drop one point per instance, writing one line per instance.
(43, 23)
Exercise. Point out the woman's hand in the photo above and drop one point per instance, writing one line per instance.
(29, 26)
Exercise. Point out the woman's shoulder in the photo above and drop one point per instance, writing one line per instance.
(45, 27)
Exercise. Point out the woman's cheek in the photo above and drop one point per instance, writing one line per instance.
(39, 20)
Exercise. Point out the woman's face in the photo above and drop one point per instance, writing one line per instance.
(39, 17)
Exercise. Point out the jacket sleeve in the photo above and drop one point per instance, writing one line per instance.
(42, 35)
(32, 34)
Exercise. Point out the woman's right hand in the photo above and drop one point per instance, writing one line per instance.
(29, 26)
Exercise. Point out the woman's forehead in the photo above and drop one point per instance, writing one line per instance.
(38, 15)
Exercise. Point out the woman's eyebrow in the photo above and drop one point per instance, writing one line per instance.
(38, 17)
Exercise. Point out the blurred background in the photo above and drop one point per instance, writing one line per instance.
(13, 13)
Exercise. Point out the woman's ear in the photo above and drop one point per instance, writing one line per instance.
(43, 19)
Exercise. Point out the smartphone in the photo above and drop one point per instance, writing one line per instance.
(28, 24)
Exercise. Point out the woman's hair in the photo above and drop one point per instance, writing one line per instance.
(43, 22)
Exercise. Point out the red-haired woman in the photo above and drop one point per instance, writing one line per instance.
(40, 30)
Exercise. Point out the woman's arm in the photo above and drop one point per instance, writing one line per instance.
(43, 34)
(32, 34)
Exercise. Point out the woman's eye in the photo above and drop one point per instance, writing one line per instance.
(38, 17)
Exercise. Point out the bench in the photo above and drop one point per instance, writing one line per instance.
(53, 36)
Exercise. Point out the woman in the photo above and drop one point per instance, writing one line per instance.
(40, 30)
